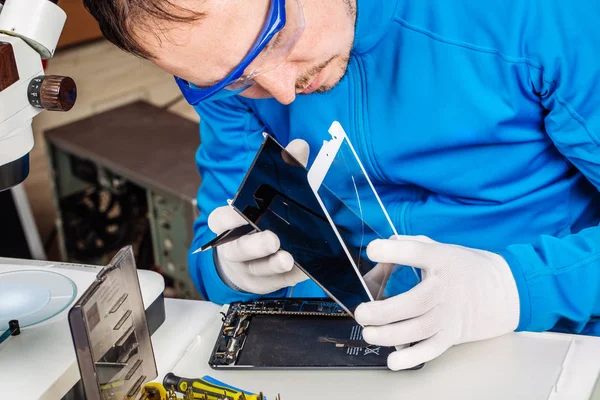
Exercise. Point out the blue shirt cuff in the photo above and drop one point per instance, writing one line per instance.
(522, 287)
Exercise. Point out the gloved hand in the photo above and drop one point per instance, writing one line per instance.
(465, 295)
(254, 263)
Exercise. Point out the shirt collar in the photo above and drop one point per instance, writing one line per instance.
(372, 21)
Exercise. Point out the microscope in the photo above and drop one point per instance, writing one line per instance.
(29, 33)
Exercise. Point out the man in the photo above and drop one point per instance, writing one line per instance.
(479, 123)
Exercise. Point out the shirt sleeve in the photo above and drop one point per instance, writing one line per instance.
(559, 278)
(231, 135)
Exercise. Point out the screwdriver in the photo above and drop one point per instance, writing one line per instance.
(13, 330)
(208, 389)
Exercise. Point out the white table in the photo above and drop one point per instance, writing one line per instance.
(185, 318)
(516, 366)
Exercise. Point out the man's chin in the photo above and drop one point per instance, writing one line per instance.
(321, 89)
(327, 88)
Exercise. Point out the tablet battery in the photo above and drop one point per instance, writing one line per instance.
(290, 341)
(293, 333)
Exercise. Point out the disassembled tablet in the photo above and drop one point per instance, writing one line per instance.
(293, 334)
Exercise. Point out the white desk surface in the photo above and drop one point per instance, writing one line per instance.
(185, 318)
(516, 366)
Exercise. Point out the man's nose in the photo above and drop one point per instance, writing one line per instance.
(280, 83)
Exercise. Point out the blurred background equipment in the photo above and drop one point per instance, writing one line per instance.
(127, 177)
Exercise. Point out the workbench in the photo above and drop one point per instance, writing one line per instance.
(516, 366)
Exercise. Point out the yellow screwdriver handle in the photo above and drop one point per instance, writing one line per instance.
(205, 390)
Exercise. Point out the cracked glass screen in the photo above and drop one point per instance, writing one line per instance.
(276, 196)
(340, 175)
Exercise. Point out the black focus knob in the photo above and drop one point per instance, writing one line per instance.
(52, 92)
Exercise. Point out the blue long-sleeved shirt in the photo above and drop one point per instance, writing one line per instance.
(479, 124)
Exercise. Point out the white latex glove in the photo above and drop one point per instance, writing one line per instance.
(254, 263)
(466, 295)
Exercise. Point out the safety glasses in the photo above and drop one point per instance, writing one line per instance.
(280, 33)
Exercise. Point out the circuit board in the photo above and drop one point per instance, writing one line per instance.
(293, 333)
(316, 307)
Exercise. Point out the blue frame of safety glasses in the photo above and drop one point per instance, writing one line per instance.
(275, 22)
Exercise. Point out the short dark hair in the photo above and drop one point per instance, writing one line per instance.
(118, 18)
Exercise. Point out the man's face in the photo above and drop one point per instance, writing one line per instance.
(205, 51)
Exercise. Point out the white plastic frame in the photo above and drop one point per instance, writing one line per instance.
(319, 170)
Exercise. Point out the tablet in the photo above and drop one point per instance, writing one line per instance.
(293, 334)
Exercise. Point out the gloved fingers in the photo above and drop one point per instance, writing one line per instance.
(270, 284)
(289, 279)
(420, 353)
(294, 277)
(262, 285)
(278, 263)
(414, 253)
(250, 247)
(225, 218)
(413, 303)
(375, 279)
(300, 150)
(379, 273)
(405, 332)
(417, 238)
